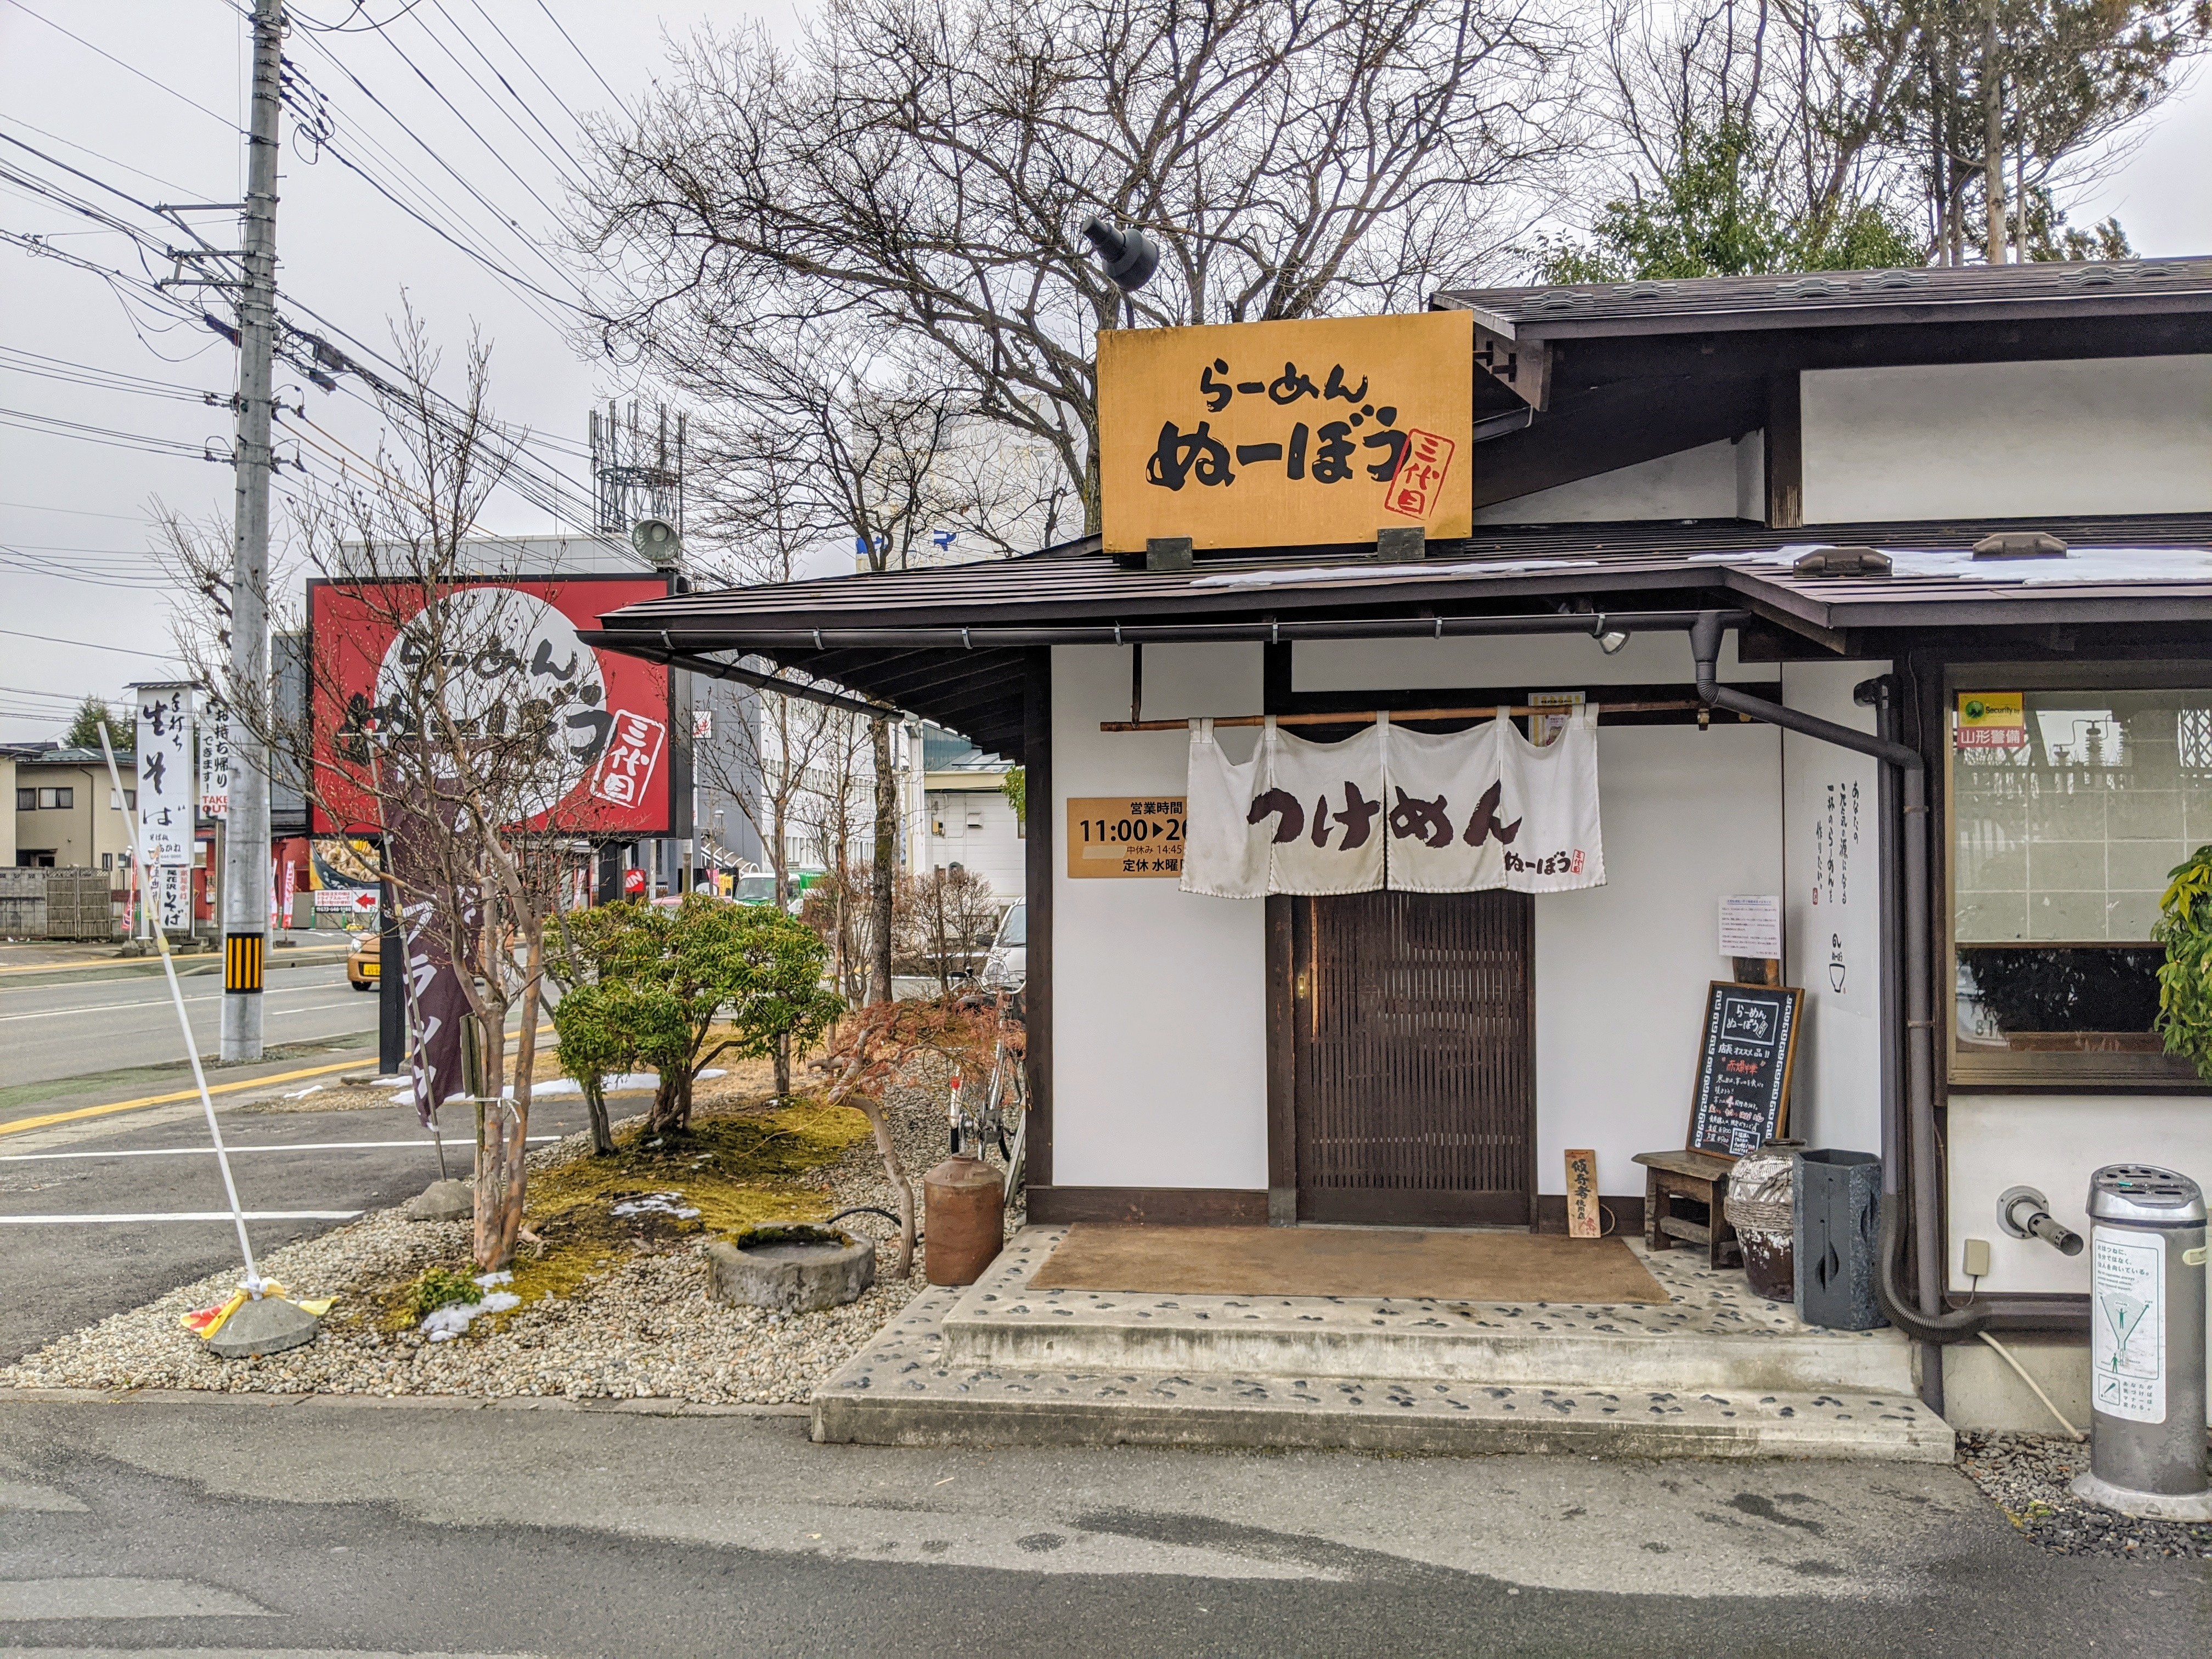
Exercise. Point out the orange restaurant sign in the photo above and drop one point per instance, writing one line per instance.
(1287, 434)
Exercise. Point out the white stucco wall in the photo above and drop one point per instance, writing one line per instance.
(1527, 663)
(1644, 947)
(1721, 480)
(2055, 1143)
(2129, 435)
(1622, 970)
(1831, 913)
(1159, 1012)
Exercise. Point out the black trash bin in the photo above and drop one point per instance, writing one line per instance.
(1839, 1220)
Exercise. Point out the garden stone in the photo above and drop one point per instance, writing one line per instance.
(268, 1326)
(443, 1201)
(790, 1268)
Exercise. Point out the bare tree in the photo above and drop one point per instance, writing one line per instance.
(924, 166)
(463, 745)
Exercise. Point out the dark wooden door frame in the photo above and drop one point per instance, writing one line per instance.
(1284, 1203)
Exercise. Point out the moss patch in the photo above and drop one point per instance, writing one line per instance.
(736, 1169)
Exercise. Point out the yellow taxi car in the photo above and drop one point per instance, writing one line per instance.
(365, 961)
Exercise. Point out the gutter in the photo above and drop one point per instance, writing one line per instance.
(659, 645)
(1927, 1323)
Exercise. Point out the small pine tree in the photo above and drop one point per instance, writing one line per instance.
(84, 727)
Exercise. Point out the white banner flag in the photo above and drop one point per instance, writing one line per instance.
(1415, 812)
(215, 763)
(175, 910)
(165, 797)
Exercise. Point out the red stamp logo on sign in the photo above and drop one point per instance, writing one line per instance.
(625, 771)
(1419, 480)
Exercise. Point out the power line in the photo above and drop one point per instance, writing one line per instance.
(584, 58)
(31, 421)
(81, 512)
(90, 645)
(55, 137)
(131, 69)
(366, 27)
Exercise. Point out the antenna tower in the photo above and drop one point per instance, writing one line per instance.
(636, 473)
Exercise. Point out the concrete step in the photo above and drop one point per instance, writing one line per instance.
(903, 1390)
(1710, 1335)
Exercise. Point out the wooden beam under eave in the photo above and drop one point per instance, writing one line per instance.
(1785, 453)
(1522, 367)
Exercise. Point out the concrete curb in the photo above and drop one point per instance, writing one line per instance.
(452, 1402)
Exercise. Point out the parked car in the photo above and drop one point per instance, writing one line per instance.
(365, 961)
(1007, 967)
(759, 886)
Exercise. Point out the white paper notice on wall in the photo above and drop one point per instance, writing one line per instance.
(2127, 1325)
(1750, 926)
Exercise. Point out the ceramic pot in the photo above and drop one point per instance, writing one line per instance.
(1761, 1206)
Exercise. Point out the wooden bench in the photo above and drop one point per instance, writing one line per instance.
(1690, 1178)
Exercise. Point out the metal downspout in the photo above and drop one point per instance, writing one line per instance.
(1926, 1323)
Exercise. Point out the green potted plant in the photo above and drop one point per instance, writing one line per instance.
(2184, 978)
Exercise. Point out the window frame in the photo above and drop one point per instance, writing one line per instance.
(2040, 1071)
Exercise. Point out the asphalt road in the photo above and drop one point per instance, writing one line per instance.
(61, 1276)
(62, 1029)
(205, 1525)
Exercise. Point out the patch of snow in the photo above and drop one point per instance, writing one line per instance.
(1374, 573)
(448, 1322)
(657, 1204)
(488, 1281)
(620, 1083)
(392, 1083)
(302, 1094)
(2080, 566)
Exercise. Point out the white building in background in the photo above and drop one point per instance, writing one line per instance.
(959, 815)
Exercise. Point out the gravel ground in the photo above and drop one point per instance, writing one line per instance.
(2026, 1475)
(644, 1328)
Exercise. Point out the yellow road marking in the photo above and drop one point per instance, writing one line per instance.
(49, 1118)
(164, 1100)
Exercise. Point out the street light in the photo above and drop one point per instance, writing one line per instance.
(1130, 258)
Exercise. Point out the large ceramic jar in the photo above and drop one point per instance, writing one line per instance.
(1761, 1206)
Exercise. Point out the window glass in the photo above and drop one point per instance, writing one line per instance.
(1015, 929)
(2068, 810)
(64, 797)
(27, 800)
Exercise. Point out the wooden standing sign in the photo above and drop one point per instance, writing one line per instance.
(1583, 1220)
(1744, 1064)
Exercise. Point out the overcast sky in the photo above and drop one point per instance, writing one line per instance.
(150, 100)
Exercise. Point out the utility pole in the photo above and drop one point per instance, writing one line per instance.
(245, 847)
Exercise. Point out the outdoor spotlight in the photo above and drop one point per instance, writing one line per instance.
(657, 539)
(1129, 254)
(1609, 640)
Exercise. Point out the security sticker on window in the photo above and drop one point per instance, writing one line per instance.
(2127, 1326)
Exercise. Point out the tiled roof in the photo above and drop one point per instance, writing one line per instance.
(1827, 299)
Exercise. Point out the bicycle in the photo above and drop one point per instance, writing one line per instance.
(1005, 1094)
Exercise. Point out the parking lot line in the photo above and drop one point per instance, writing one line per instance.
(208, 1151)
(181, 1215)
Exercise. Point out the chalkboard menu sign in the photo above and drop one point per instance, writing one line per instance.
(1743, 1068)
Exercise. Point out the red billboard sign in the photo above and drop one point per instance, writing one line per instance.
(514, 661)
